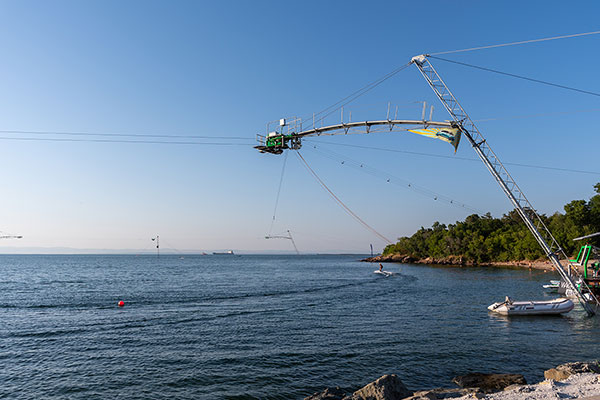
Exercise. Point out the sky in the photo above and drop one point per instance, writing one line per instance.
(223, 69)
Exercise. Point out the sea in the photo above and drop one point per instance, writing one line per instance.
(264, 327)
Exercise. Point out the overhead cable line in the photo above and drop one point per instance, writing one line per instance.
(62, 133)
(517, 43)
(278, 191)
(390, 150)
(344, 160)
(340, 202)
(518, 76)
(350, 98)
(119, 141)
(525, 116)
(453, 157)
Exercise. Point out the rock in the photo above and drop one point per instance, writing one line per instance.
(563, 371)
(489, 382)
(388, 387)
(335, 393)
(438, 394)
(399, 258)
(519, 388)
(422, 395)
(556, 375)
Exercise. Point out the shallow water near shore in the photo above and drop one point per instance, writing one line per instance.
(265, 327)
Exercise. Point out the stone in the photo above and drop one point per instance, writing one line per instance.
(388, 387)
(438, 394)
(519, 388)
(489, 382)
(335, 393)
(563, 371)
(422, 395)
(556, 374)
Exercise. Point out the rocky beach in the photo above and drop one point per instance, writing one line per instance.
(542, 264)
(575, 380)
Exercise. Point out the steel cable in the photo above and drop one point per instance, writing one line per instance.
(340, 202)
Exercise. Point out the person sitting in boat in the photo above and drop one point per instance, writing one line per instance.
(508, 300)
(596, 268)
(380, 267)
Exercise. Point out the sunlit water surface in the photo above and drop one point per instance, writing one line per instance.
(264, 327)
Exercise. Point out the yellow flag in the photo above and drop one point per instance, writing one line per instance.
(450, 135)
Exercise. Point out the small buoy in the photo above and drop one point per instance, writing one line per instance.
(121, 303)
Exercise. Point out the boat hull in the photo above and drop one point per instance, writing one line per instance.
(550, 307)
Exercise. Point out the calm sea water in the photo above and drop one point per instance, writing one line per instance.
(263, 327)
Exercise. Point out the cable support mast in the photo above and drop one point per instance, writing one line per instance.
(288, 236)
(532, 219)
(157, 240)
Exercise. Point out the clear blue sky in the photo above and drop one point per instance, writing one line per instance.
(226, 68)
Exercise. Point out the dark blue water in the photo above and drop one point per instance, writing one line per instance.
(263, 327)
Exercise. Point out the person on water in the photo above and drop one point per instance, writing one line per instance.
(380, 267)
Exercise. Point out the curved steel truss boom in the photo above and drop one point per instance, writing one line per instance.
(291, 133)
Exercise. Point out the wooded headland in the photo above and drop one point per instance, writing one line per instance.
(482, 239)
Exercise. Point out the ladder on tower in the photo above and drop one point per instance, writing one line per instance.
(531, 218)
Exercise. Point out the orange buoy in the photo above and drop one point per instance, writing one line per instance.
(121, 303)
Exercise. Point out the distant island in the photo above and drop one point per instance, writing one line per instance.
(486, 240)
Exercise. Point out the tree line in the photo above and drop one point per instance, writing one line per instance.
(482, 238)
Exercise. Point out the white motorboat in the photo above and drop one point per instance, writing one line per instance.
(542, 307)
(382, 272)
(552, 285)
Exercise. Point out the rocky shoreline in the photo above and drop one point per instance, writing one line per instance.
(570, 380)
(459, 261)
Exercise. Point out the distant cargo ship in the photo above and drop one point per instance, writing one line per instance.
(226, 253)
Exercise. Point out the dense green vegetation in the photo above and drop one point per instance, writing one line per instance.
(481, 239)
